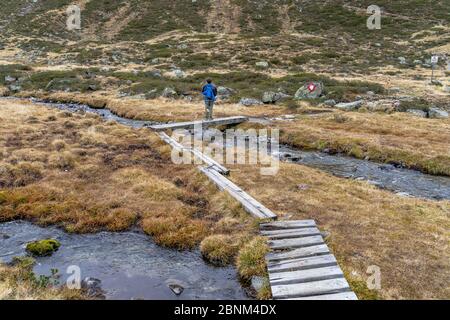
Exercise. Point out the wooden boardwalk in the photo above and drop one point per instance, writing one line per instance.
(300, 265)
(202, 123)
(250, 204)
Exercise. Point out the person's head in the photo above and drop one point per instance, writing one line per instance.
(208, 81)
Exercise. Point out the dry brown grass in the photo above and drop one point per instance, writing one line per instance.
(87, 175)
(399, 138)
(19, 283)
(407, 238)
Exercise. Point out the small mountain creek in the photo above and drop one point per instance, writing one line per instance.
(129, 265)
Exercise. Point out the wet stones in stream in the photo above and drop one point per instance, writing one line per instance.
(176, 286)
(92, 288)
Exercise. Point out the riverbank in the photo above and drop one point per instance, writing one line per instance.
(85, 175)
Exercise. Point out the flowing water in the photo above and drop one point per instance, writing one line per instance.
(129, 264)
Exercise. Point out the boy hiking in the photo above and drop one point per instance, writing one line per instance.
(209, 92)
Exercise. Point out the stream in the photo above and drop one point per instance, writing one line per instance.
(129, 264)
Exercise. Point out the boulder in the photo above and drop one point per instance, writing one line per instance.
(262, 64)
(330, 102)
(270, 97)
(224, 92)
(402, 60)
(310, 90)
(169, 93)
(436, 113)
(14, 87)
(9, 79)
(417, 113)
(249, 102)
(92, 287)
(176, 286)
(350, 105)
(382, 105)
(179, 73)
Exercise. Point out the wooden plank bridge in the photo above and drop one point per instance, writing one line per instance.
(300, 264)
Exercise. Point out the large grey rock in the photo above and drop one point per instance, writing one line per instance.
(14, 88)
(350, 105)
(262, 64)
(250, 102)
(330, 102)
(10, 79)
(402, 60)
(92, 287)
(273, 97)
(179, 73)
(437, 113)
(224, 92)
(417, 113)
(169, 93)
(310, 90)
(176, 286)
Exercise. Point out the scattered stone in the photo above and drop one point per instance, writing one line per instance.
(303, 187)
(403, 194)
(436, 113)
(395, 90)
(152, 94)
(350, 105)
(92, 87)
(176, 286)
(262, 64)
(4, 236)
(370, 93)
(15, 87)
(437, 83)
(155, 61)
(330, 102)
(417, 113)
(382, 105)
(447, 89)
(402, 60)
(182, 46)
(377, 44)
(250, 102)
(92, 287)
(224, 93)
(9, 79)
(269, 97)
(179, 73)
(44, 247)
(257, 283)
(417, 61)
(310, 90)
(169, 93)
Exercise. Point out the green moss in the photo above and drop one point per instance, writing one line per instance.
(43, 247)
(23, 262)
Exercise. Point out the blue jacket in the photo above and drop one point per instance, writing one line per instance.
(208, 86)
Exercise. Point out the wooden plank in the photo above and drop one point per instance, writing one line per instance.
(202, 123)
(295, 243)
(307, 275)
(302, 263)
(334, 296)
(310, 288)
(209, 161)
(298, 253)
(253, 207)
(291, 233)
(288, 224)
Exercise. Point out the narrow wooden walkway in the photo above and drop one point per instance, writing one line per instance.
(300, 265)
(202, 123)
(250, 204)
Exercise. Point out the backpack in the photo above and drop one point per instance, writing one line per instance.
(208, 92)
